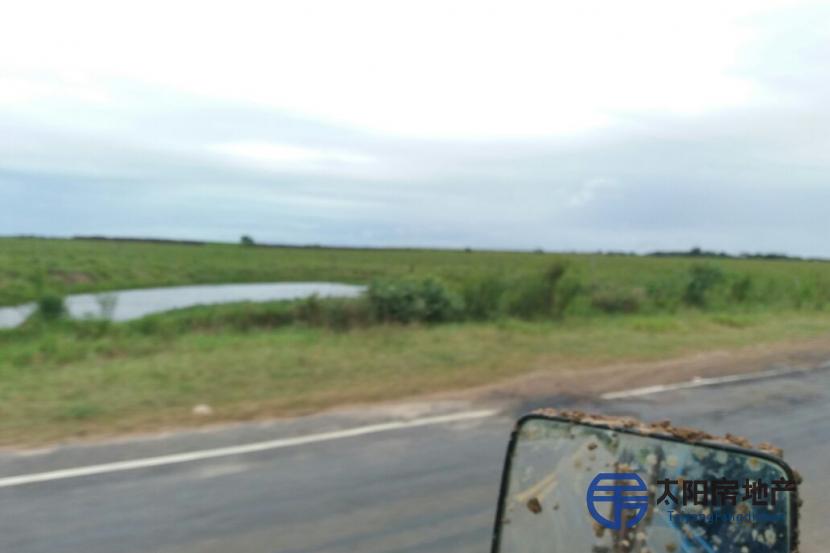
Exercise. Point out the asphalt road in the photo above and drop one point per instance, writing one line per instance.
(430, 488)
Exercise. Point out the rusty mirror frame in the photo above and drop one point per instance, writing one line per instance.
(504, 486)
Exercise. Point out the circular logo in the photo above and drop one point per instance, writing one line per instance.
(625, 491)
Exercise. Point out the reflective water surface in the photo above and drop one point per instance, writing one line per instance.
(125, 305)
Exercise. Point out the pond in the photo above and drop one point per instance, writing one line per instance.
(124, 305)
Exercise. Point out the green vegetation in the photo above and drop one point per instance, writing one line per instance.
(86, 378)
(31, 267)
(50, 307)
(431, 320)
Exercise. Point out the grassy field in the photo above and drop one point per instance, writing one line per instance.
(28, 267)
(63, 378)
(69, 382)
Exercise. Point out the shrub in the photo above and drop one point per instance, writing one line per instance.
(483, 297)
(395, 301)
(51, 307)
(555, 272)
(617, 301)
(703, 278)
(529, 298)
(440, 304)
(541, 295)
(409, 301)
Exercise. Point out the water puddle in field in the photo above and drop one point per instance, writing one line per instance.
(125, 305)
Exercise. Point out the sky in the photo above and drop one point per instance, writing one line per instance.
(567, 126)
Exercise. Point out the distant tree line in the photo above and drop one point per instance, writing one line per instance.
(698, 252)
(247, 240)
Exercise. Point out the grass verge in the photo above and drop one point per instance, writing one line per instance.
(70, 381)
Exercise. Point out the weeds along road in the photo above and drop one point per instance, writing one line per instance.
(427, 488)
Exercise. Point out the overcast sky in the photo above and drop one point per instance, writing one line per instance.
(561, 125)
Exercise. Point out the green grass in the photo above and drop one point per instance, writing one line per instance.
(31, 267)
(62, 378)
(68, 381)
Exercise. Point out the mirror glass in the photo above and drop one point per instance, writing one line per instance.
(576, 488)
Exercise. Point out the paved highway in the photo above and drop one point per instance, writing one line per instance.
(425, 488)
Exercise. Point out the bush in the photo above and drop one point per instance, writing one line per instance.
(246, 240)
(540, 295)
(617, 301)
(483, 297)
(51, 307)
(409, 301)
(703, 278)
(395, 301)
(440, 304)
(529, 298)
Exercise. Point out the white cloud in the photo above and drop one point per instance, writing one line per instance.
(427, 67)
(271, 155)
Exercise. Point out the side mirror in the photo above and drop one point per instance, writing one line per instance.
(574, 483)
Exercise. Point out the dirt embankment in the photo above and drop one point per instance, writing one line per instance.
(592, 381)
